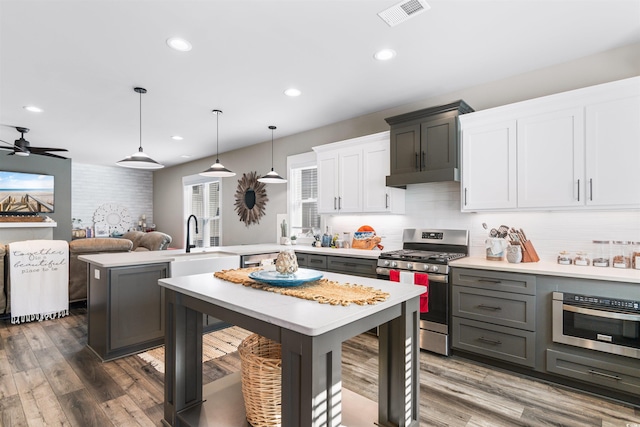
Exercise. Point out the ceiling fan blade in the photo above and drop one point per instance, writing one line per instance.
(43, 149)
(50, 155)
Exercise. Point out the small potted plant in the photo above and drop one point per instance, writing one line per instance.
(293, 239)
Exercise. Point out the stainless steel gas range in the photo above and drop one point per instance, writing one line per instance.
(428, 251)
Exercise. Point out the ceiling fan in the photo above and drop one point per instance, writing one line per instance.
(22, 147)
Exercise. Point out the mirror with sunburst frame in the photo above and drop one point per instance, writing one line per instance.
(251, 198)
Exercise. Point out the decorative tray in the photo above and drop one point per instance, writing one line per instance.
(272, 277)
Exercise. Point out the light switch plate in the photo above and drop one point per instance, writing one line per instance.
(96, 274)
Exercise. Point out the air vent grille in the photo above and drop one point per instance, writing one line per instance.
(402, 11)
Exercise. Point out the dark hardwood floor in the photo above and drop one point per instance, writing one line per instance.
(49, 377)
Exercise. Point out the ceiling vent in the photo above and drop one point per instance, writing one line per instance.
(403, 11)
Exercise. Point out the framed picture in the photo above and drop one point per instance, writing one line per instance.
(102, 230)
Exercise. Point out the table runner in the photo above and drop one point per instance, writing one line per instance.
(323, 291)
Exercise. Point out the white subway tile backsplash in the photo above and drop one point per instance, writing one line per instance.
(437, 205)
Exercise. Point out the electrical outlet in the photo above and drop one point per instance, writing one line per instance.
(96, 274)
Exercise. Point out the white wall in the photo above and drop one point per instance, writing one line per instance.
(437, 205)
(607, 66)
(93, 186)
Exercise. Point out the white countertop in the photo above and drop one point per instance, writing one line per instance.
(123, 259)
(300, 315)
(306, 248)
(552, 269)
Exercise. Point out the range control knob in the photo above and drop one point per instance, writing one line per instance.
(434, 268)
(394, 264)
(386, 263)
(409, 266)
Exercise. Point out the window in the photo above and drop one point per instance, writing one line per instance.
(303, 195)
(202, 199)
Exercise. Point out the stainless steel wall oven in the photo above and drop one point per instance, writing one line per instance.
(605, 324)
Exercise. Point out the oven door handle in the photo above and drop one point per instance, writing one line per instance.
(600, 313)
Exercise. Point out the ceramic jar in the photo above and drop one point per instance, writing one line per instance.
(287, 262)
(514, 254)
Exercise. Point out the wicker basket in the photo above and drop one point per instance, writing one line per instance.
(261, 363)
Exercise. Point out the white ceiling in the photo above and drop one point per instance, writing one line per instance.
(80, 60)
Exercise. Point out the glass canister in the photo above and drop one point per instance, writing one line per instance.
(602, 254)
(564, 258)
(621, 254)
(582, 258)
(635, 256)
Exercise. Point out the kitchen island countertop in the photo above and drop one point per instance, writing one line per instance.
(552, 269)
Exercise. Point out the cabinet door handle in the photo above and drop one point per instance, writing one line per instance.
(489, 341)
(339, 203)
(490, 307)
(602, 374)
(495, 282)
(417, 165)
(335, 199)
(590, 189)
(386, 201)
(465, 196)
(423, 163)
(578, 190)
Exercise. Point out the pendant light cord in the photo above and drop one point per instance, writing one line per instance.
(272, 129)
(140, 148)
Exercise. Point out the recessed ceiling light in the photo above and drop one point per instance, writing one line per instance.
(385, 54)
(179, 44)
(186, 156)
(33, 109)
(292, 92)
(177, 138)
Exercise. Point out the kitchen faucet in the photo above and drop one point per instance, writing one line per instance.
(189, 246)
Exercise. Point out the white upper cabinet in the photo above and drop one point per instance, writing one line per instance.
(613, 152)
(352, 176)
(576, 149)
(551, 159)
(489, 166)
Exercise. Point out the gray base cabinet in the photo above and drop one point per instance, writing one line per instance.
(594, 371)
(363, 267)
(125, 309)
(494, 315)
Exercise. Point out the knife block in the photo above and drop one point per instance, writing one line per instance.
(529, 253)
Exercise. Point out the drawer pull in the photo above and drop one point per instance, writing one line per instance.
(490, 281)
(490, 307)
(315, 260)
(350, 264)
(602, 374)
(489, 341)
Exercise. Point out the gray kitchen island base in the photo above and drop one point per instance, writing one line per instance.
(312, 394)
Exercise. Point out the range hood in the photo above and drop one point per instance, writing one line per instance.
(425, 145)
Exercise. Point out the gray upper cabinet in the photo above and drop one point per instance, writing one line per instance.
(424, 145)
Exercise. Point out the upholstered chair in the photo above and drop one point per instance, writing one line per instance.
(152, 241)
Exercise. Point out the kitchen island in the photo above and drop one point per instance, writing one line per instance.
(311, 335)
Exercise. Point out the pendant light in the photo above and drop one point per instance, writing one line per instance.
(140, 160)
(217, 169)
(272, 177)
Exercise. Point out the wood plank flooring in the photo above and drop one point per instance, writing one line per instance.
(49, 377)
